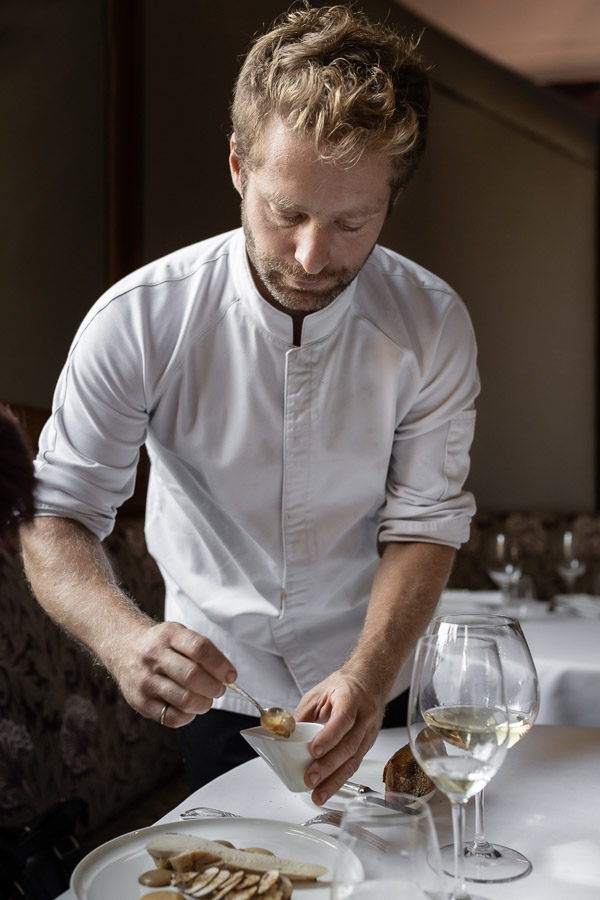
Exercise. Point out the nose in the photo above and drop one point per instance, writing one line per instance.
(312, 249)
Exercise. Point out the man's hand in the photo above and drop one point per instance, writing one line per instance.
(353, 713)
(158, 667)
(170, 664)
(406, 588)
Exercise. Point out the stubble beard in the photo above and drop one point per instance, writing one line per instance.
(274, 274)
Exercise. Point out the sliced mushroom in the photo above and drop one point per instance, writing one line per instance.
(268, 881)
(249, 881)
(244, 893)
(180, 879)
(228, 885)
(286, 887)
(274, 893)
(200, 889)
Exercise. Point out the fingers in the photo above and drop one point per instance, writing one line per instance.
(193, 664)
(353, 719)
(339, 764)
(174, 674)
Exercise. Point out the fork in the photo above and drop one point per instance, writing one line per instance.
(334, 817)
(329, 817)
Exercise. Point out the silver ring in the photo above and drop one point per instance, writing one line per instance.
(163, 713)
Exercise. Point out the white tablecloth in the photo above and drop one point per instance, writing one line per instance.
(566, 652)
(544, 801)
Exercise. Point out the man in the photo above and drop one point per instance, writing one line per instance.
(306, 399)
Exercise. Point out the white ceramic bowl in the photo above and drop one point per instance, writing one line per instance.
(288, 757)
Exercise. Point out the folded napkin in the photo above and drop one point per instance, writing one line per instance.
(468, 602)
(586, 605)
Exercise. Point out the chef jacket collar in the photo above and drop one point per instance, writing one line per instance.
(315, 326)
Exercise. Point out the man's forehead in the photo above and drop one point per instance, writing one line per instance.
(277, 142)
(289, 170)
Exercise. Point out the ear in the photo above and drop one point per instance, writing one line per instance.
(235, 166)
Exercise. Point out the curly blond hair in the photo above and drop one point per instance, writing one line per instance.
(331, 73)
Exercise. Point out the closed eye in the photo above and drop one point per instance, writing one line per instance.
(345, 227)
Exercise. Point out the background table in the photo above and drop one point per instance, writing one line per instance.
(566, 651)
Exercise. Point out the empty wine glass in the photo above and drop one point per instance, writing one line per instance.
(570, 568)
(387, 848)
(458, 722)
(504, 567)
(485, 862)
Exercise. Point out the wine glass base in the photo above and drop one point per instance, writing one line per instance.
(503, 865)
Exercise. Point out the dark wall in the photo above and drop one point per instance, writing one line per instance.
(193, 53)
(52, 177)
(504, 208)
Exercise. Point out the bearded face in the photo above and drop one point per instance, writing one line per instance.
(309, 224)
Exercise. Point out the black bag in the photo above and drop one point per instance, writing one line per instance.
(36, 860)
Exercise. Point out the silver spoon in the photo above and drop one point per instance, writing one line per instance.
(274, 719)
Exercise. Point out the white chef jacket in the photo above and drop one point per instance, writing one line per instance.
(275, 468)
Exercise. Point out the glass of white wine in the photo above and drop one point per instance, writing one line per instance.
(387, 848)
(485, 862)
(458, 722)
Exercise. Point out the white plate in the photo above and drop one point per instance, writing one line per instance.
(110, 872)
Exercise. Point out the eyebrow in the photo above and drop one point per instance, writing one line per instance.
(284, 202)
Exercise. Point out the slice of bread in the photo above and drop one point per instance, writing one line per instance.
(172, 844)
(402, 773)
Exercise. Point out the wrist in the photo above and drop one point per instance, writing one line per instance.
(123, 628)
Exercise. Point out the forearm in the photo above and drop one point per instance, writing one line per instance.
(166, 671)
(73, 581)
(404, 595)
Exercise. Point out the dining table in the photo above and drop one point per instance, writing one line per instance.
(564, 639)
(543, 801)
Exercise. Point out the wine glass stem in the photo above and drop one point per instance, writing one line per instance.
(480, 844)
(458, 829)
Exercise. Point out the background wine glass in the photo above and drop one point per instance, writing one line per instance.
(387, 848)
(458, 722)
(570, 568)
(503, 565)
(483, 861)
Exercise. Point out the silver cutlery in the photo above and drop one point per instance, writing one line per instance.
(274, 719)
(201, 812)
(329, 817)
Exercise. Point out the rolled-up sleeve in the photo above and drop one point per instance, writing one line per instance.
(425, 496)
(89, 448)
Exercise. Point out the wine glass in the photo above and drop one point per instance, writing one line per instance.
(485, 862)
(458, 722)
(387, 848)
(570, 568)
(504, 567)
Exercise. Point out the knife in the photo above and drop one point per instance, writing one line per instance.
(352, 789)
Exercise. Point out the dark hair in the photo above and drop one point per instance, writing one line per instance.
(17, 480)
(330, 72)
